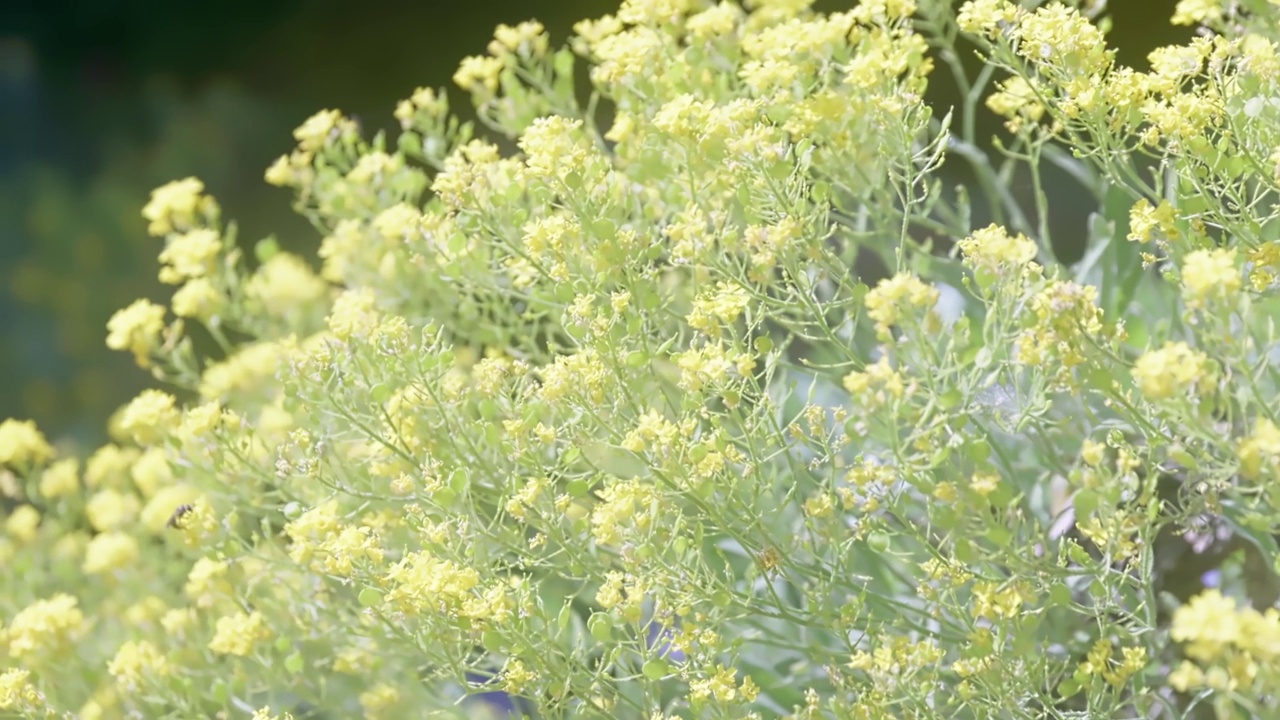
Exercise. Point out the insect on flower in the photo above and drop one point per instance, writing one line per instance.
(175, 520)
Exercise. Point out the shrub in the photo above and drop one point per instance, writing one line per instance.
(729, 409)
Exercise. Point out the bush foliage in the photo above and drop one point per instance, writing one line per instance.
(697, 392)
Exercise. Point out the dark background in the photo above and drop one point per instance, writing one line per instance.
(101, 101)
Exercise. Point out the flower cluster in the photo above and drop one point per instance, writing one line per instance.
(669, 418)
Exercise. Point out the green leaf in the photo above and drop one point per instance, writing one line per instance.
(1069, 687)
(370, 597)
(266, 249)
(656, 669)
(614, 461)
(600, 625)
(1085, 503)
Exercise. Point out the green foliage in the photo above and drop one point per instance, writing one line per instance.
(728, 410)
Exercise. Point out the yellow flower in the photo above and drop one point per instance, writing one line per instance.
(137, 329)
(876, 386)
(1209, 274)
(198, 298)
(516, 677)
(1174, 369)
(1260, 450)
(190, 255)
(239, 634)
(164, 503)
(151, 472)
(477, 72)
(528, 39)
(109, 551)
(61, 478)
(285, 284)
(148, 417)
(378, 701)
(280, 173)
(111, 509)
(1186, 677)
(22, 444)
(1017, 102)
(894, 300)
(136, 662)
(1059, 35)
(45, 625)
(986, 16)
(17, 693)
(23, 523)
(1209, 624)
(423, 583)
(175, 206)
(317, 129)
(1193, 12)
(109, 466)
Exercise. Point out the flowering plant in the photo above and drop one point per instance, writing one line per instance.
(724, 407)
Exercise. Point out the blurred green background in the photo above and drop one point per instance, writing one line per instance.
(101, 101)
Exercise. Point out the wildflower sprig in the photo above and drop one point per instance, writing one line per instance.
(704, 398)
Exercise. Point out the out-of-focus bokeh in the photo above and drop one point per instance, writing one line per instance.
(102, 101)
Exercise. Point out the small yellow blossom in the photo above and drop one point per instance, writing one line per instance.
(1197, 12)
(716, 21)
(1259, 452)
(110, 551)
(527, 39)
(1092, 452)
(45, 625)
(1174, 369)
(378, 701)
(137, 329)
(17, 693)
(200, 299)
(1186, 677)
(1144, 219)
(280, 173)
(986, 16)
(151, 471)
(165, 501)
(895, 300)
(190, 255)
(239, 634)
(23, 523)
(109, 466)
(984, 483)
(1209, 624)
(60, 479)
(516, 678)
(111, 509)
(1059, 35)
(993, 251)
(1210, 275)
(877, 385)
(1016, 101)
(712, 311)
(423, 583)
(722, 686)
(207, 582)
(317, 130)
(22, 445)
(138, 662)
(285, 284)
(148, 417)
(176, 206)
(477, 72)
